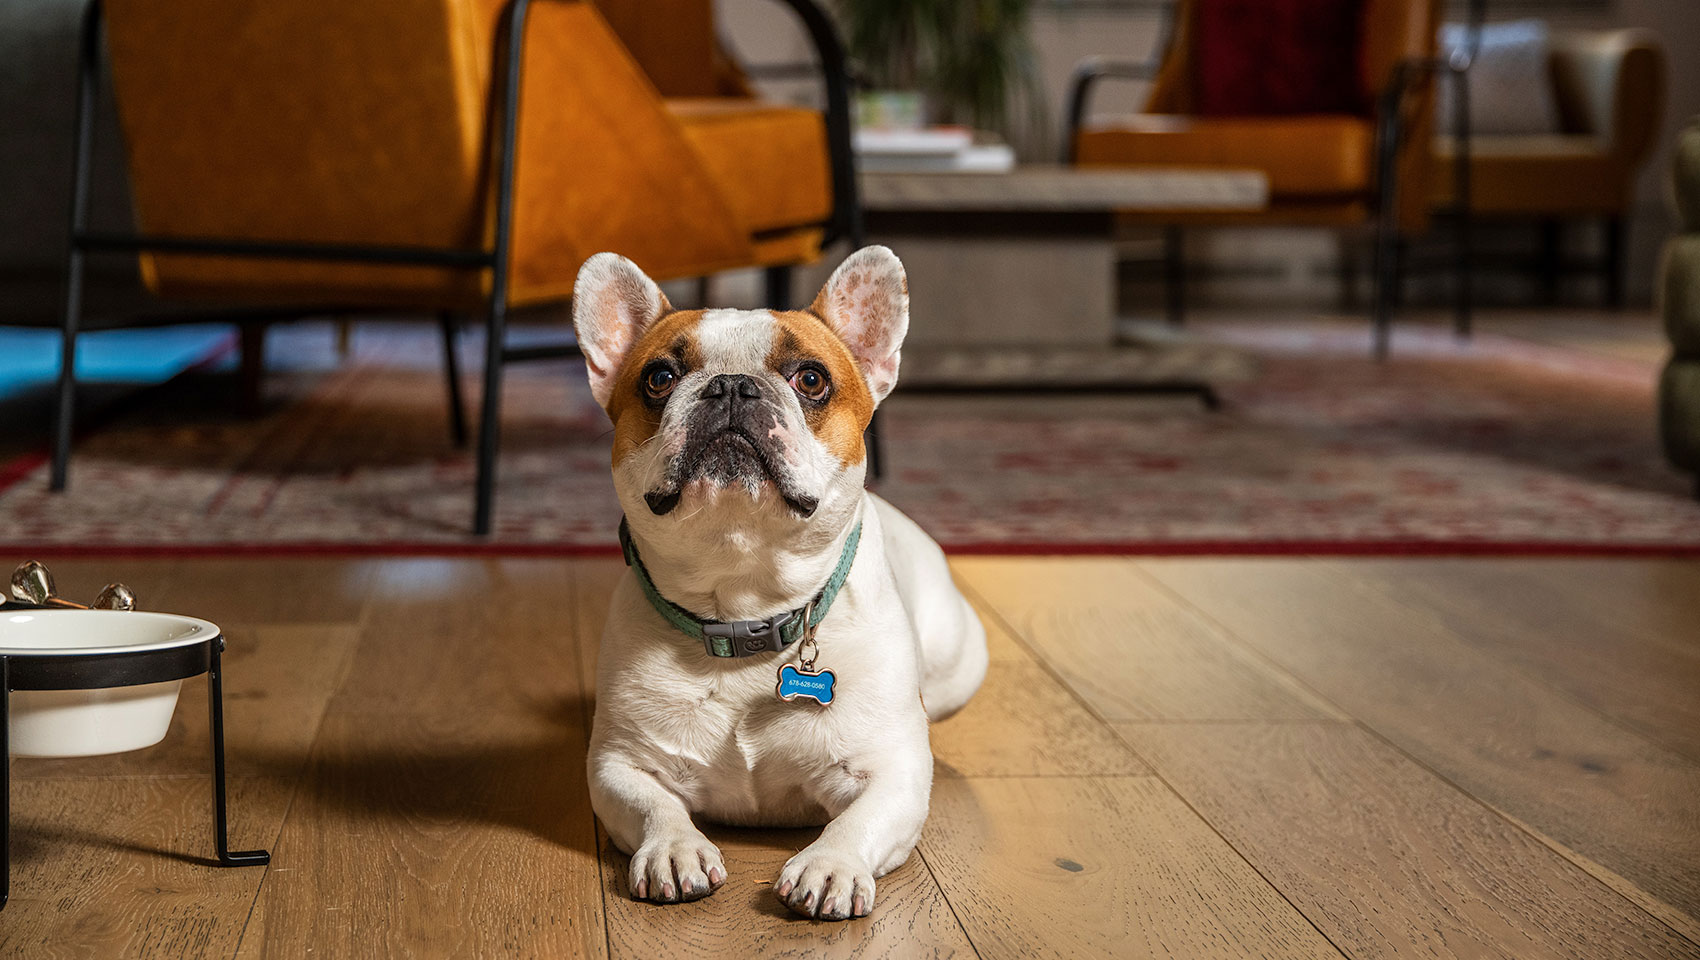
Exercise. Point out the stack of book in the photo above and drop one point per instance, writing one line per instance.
(929, 150)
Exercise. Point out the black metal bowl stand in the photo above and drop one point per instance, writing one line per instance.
(24, 671)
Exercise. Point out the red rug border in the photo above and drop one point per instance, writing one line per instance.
(1196, 548)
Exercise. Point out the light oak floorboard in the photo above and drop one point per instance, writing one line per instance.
(1647, 602)
(1023, 723)
(123, 867)
(421, 724)
(465, 637)
(1578, 627)
(445, 806)
(1614, 798)
(420, 834)
(1656, 599)
(1101, 867)
(1131, 651)
(276, 590)
(1002, 646)
(1386, 858)
(743, 918)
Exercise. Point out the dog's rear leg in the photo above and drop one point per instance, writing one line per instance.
(671, 860)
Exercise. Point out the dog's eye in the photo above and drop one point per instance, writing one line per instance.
(659, 381)
(811, 383)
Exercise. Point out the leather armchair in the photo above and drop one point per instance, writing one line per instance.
(1340, 170)
(1610, 89)
(453, 156)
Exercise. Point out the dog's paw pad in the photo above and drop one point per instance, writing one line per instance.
(676, 869)
(826, 884)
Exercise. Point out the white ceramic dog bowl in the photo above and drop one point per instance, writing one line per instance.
(86, 722)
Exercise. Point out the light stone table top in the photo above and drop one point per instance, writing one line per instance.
(1042, 188)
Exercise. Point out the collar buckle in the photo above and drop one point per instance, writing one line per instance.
(744, 638)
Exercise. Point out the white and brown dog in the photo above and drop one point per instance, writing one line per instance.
(782, 637)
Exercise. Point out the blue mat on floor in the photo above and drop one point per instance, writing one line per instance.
(29, 359)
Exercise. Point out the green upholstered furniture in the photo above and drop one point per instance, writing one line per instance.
(1679, 388)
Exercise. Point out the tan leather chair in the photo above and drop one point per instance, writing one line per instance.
(452, 156)
(1610, 90)
(1342, 170)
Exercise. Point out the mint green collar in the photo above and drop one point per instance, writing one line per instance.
(743, 638)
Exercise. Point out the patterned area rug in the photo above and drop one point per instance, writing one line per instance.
(1501, 445)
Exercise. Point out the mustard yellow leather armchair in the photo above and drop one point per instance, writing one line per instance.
(453, 156)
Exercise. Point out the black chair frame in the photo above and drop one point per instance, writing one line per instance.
(845, 222)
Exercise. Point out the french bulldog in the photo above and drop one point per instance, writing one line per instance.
(782, 637)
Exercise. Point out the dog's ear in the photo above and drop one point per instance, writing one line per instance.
(866, 302)
(613, 304)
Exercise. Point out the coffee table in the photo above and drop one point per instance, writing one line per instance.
(1027, 258)
(1012, 278)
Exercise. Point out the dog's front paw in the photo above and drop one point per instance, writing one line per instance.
(826, 883)
(676, 868)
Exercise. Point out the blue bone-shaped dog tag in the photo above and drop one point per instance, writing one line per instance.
(795, 682)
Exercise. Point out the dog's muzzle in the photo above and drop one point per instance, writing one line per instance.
(729, 438)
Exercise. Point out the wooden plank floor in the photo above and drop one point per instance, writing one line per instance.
(1300, 758)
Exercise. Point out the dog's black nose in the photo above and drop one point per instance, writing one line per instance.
(731, 385)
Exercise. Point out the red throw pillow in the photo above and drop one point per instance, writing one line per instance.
(1276, 57)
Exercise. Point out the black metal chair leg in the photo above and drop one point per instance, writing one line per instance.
(490, 420)
(67, 398)
(1386, 272)
(1346, 291)
(251, 376)
(1462, 193)
(1612, 267)
(1401, 250)
(215, 704)
(876, 454)
(1551, 249)
(88, 62)
(451, 375)
(490, 417)
(776, 283)
(1174, 275)
(1464, 255)
(1386, 226)
(1463, 269)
